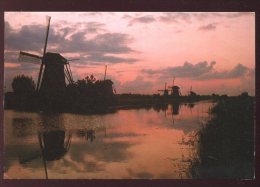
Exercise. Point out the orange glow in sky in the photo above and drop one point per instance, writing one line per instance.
(212, 52)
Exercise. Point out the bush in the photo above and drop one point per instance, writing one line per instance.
(23, 85)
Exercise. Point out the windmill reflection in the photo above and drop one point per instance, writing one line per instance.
(53, 146)
(190, 105)
(89, 134)
(168, 109)
(160, 107)
(53, 140)
(175, 106)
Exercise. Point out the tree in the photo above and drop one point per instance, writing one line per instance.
(90, 79)
(23, 85)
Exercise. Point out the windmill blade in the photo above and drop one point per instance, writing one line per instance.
(70, 72)
(48, 19)
(39, 78)
(28, 57)
(67, 74)
(43, 159)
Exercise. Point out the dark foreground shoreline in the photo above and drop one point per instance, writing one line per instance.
(226, 142)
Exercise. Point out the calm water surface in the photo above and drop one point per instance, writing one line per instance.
(151, 143)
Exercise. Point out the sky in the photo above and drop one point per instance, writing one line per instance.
(210, 52)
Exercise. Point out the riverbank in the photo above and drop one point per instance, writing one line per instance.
(94, 104)
(226, 142)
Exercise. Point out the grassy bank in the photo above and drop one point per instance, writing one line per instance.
(226, 143)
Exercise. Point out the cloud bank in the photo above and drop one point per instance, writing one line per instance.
(99, 48)
(200, 71)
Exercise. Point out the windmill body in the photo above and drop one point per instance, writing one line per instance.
(175, 89)
(53, 79)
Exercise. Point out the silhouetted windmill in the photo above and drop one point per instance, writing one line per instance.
(191, 93)
(54, 69)
(165, 91)
(175, 89)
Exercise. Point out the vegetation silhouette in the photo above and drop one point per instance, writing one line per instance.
(226, 142)
(23, 85)
(89, 95)
(85, 95)
(23, 95)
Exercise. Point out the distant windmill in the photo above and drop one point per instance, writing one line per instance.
(54, 69)
(165, 91)
(190, 90)
(175, 89)
(173, 78)
(191, 93)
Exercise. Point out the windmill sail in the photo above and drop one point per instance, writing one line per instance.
(48, 19)
(28, 57)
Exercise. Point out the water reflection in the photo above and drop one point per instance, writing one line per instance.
(22, 127)
(88, 134)
(52, 139)
(160, 107)
(175, 108)
(136, 143)
(53, 144)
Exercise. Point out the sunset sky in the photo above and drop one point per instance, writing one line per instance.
(212, 52)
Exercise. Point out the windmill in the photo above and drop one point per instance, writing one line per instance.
(191, 93)
(165, 91)
(107, 85)
(175, 89)
(54, 70)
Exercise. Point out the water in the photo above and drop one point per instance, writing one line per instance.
(150, 143)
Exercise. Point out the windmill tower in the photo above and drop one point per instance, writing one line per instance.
(54, 71)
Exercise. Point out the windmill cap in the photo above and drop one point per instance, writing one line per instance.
(54, 58)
